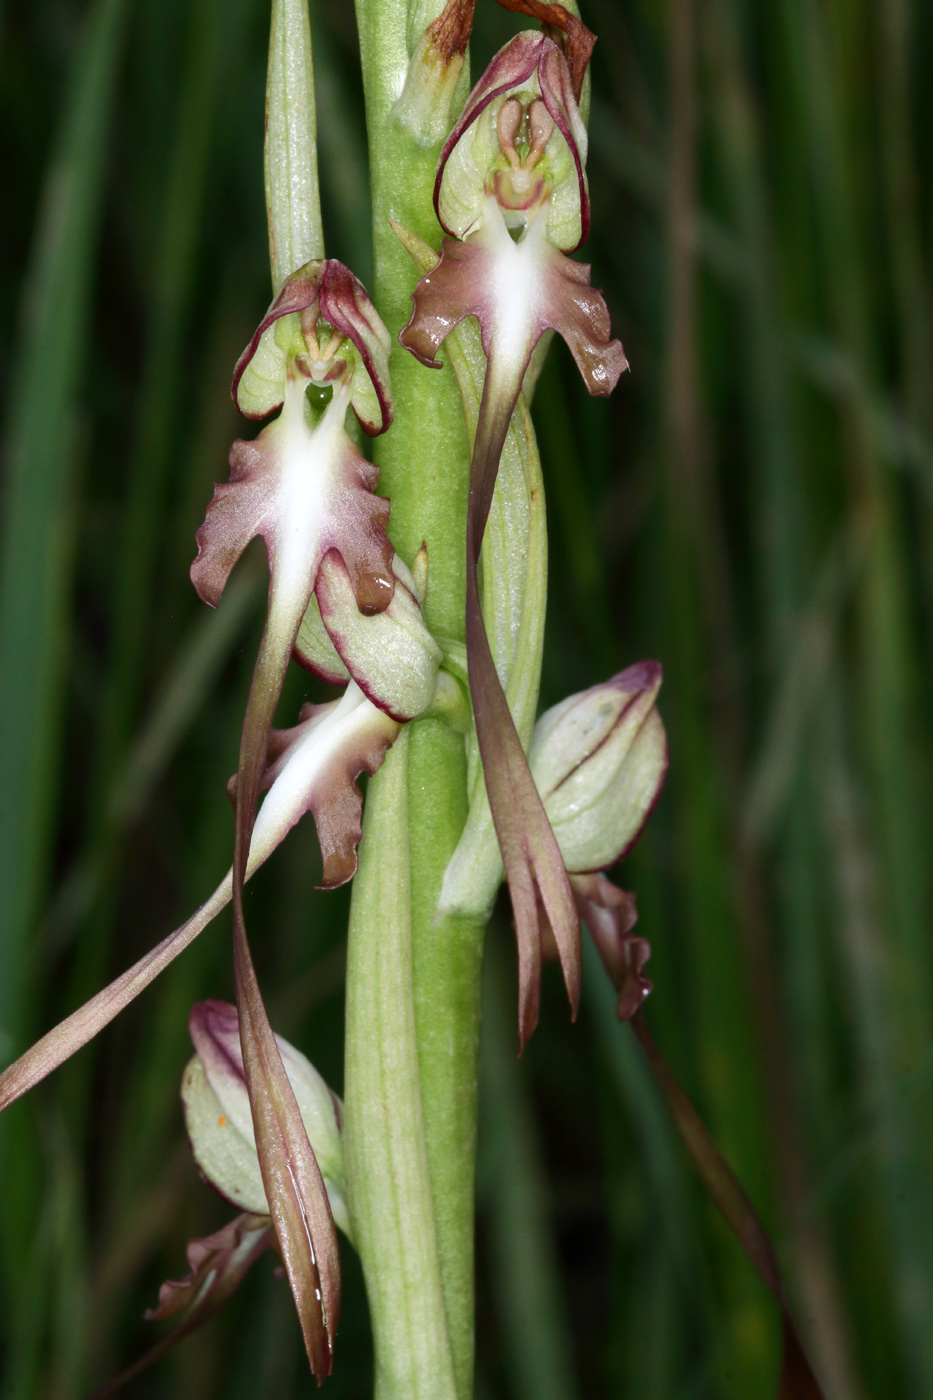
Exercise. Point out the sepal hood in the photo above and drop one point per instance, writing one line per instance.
(599, 760)
(323, 318)
(542, 155)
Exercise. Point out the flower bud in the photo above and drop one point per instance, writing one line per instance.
(220, 1122)
(599, 759)
(434, 70)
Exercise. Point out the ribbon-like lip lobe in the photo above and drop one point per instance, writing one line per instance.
(512, 66)
(345, 304)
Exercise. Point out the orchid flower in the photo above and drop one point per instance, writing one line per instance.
(303, 486)
(511, 194)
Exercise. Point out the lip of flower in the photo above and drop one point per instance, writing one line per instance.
(310, 768)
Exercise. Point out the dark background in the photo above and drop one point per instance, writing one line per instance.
(753, 508)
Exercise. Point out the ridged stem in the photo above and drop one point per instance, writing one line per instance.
(412, 981)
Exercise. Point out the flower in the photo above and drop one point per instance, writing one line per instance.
(514, 164)
(304, 487)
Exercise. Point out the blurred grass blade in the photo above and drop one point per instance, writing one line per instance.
(171, 287)
(532, 1318)
(797, 1379)
(189, 679)
(38, 514)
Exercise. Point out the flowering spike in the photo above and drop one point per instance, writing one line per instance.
(515, 162)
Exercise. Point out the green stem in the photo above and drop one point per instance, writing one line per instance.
(387, 1168)
(415, 811)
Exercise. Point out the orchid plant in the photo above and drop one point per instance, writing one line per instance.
(428, 609)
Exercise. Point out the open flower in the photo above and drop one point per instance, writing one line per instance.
(511, 193)
(303, 486)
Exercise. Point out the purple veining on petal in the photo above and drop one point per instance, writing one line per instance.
(299, 291)
(346, 305)
(579, 40)
(557, 93)
(512, 65)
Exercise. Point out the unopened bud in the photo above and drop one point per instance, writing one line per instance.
(434, 70)
(220, 1122)
(599, 759)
